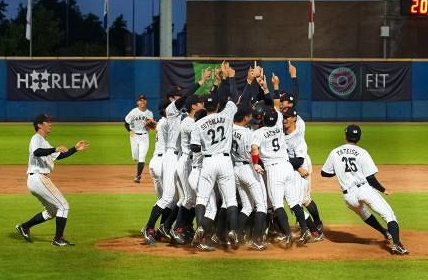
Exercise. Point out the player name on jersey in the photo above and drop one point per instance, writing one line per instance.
(271, 133)
(212, 122)
(347, 152)
(237, 135)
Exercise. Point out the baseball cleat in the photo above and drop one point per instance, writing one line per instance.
(164, 232)
(318, 236)
(25, 233)
(149, 236)
(204, 246)
(61, 242)
(257, 245)
(197, 238)
(177, 236)
(398, 249)
(137, 179)
(304, 238)
(232, 237)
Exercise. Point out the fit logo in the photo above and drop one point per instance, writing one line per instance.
(376, 80)
(44, 81)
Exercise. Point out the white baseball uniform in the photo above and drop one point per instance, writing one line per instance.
(250, 185)
(185, 162)
(39, 183)
(279, 171)
(140, 140)
(155, 165)
(352, 164)
(214, 134)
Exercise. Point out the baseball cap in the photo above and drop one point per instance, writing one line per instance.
(141, 96)
(353, 133)
(193, 99)
(211, 102)
(291, 112)
(270, 117)
(173, 91)
(39, 119)
(287, 97)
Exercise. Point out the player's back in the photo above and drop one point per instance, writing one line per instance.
(186, 128)
(173, 116)
(160, 136)
(241, 143)
(351, 164)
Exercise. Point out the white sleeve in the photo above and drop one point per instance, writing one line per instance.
(279, 120)
(328, 166)
(256, 139)
(129, 117)
(367, 165)
(171, 110)
(301, 150)
(35, 143)
(195, 136)
(150, 115)
(55, 155)
(230, 109)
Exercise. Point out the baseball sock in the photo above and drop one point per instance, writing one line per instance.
(394, 230)
(311, 224)
(199, 213)
(313, 210)
(60, 226)
(207, 224)
(154, 216)
(37, 219)
(374, 223)
(191, 217)
(183, 213)
(221, 224)
(282, 219)
(250, 224)
(232, 217)
(259, 225)
(242, 220)
(172, 217)
(165, 214)
(300, 216)
(140, 167)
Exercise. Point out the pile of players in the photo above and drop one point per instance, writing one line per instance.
(229, 160)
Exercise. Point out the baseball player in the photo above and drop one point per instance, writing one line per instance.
(213, 136)
(184, 165)
(269, 145)
(297, 153)
(249, 183)
(355, 172)
(40, 165)
(135, 124)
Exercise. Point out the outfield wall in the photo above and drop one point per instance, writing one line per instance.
(130, 77)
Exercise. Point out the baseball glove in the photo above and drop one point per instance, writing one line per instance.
(151, 124)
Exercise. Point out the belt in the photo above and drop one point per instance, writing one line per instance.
(225, 154)
(159, 155)
(189, 155)
(237, 163)
(357, 185)
(175, 152)
(141, 133)
(45, 174)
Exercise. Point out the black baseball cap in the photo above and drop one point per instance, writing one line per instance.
(39, 119)
(291, 112)
(270, 117)
(142, 96)
(353, 133)
(287, 97)
(173, 91)
(193, 99)
(210, 102)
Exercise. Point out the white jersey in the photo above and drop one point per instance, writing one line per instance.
(197, 157)
(160, 137)
(351, 164)
(187, 125)
(300, 125)
(173, 117)
(214, 132)
(43, 164)
(296, 145)
(241, 143)
(271, 142)
(137, 119)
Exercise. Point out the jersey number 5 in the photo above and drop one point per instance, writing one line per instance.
(349, 164)
(211, 132)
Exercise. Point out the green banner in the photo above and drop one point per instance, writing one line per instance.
(198, 69)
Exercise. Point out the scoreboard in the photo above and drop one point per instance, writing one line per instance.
(416, 8)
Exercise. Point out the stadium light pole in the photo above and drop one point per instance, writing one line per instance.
(133, 28)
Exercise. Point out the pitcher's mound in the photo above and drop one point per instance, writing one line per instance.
(341, 243)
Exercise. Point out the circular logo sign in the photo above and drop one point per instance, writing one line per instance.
(342, 81)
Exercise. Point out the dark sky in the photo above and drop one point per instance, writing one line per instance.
(143, 11)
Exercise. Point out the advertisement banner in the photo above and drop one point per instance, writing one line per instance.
(57, 80)
(365, 81)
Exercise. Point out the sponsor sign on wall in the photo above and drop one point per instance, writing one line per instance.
(57, 80)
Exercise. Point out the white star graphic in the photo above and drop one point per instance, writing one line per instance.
(35, 76)
(34, 86)
(45, 75)
(45, 86)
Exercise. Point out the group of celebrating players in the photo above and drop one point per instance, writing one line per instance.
(229, 159)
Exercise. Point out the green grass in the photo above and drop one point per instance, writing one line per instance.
(387, 143)
(98, 217)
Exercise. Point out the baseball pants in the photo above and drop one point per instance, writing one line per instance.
(139, 146)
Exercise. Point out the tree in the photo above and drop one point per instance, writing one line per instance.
(118, 35)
